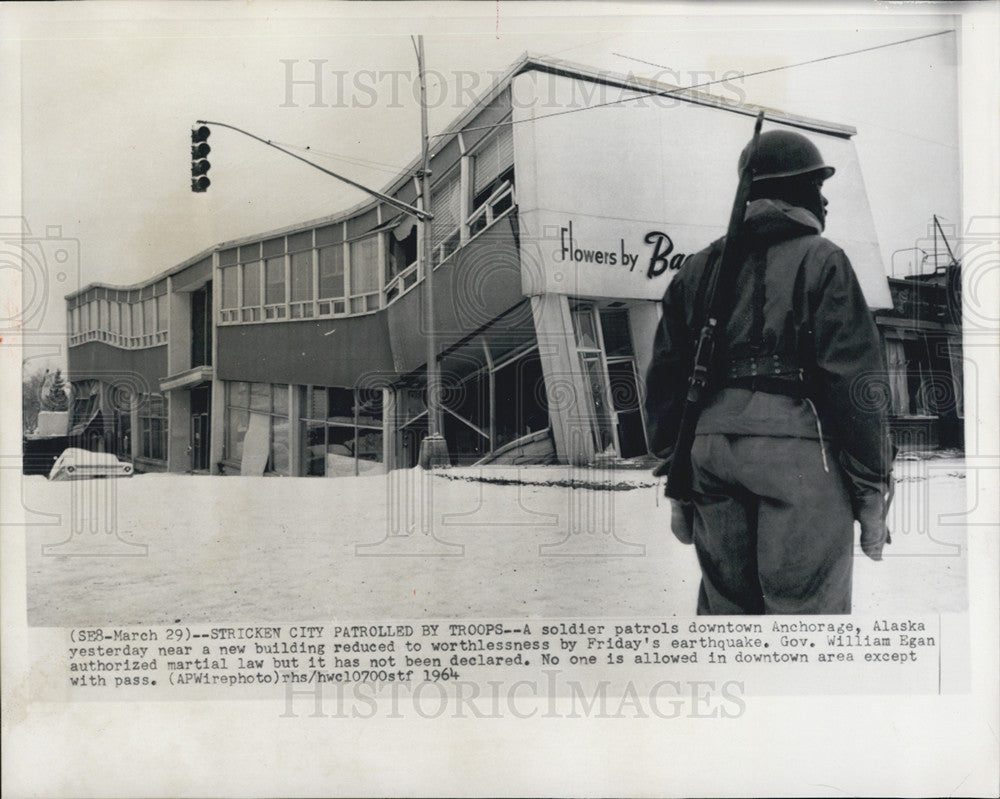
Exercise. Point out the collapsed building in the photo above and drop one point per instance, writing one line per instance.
(301, 351)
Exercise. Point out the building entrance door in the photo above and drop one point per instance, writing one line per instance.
(201, 413)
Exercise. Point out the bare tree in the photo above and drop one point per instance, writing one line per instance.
(31, 398)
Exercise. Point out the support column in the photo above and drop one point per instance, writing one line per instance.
(217, 418)
(571, 411)
(135, 437)
(294, 431)
(178, 430)
(179, 330)
(218, 425)
(389, 428)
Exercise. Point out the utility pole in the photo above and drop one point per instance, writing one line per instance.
(433, 449)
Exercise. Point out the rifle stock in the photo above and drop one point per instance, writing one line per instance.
(679, 479)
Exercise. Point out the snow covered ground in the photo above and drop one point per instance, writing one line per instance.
(548, 541)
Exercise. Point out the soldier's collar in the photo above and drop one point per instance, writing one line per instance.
(766, 210)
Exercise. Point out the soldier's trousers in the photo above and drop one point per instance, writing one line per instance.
(773, 526)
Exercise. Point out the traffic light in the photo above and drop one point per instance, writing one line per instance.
(199, 160)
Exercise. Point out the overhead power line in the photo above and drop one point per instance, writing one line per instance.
(646, 93)
(800, 63)
(381, 166)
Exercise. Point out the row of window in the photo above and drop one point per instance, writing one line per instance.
(487, 186)
(337, 425)
(351, 267)
(157, 289)
(142, 323)
(321, 280)
(332, 270)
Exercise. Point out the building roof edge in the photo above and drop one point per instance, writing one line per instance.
(526, 62)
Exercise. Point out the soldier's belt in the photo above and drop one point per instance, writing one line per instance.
(773, 374)
(764, 366)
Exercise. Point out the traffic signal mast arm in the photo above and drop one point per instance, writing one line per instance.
(410, 209)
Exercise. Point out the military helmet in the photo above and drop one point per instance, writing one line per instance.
(785, 154)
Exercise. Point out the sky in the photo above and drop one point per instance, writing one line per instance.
(108, 99)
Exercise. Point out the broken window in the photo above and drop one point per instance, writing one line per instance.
(521, 401)
(265, 404)
(607, 364)
(340, 426)
(402, 251)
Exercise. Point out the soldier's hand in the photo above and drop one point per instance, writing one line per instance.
(871, 494)
(870, 509)
(682, 521)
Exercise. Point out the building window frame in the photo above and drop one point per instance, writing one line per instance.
(243, 398)
(495, 197)
(109, 315)
(400, 281)
(367, 299)
(445, 241)
(153, 428)
(321, 428)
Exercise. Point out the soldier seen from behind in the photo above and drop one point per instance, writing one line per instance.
(791, 443)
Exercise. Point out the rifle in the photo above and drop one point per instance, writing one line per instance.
(717, 301)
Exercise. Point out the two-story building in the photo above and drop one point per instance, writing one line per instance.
(562, 207)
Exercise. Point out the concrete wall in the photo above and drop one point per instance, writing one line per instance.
(139, 369)
(179, 352)
(332, 352)
(179, 431)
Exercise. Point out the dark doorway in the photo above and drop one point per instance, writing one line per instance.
(623, 381)
(625, 396)
(201, 326)
(123, 434)
(201, 414)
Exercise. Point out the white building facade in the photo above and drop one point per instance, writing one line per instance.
(560, 216)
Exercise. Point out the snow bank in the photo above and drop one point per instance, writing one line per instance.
(230, 549)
